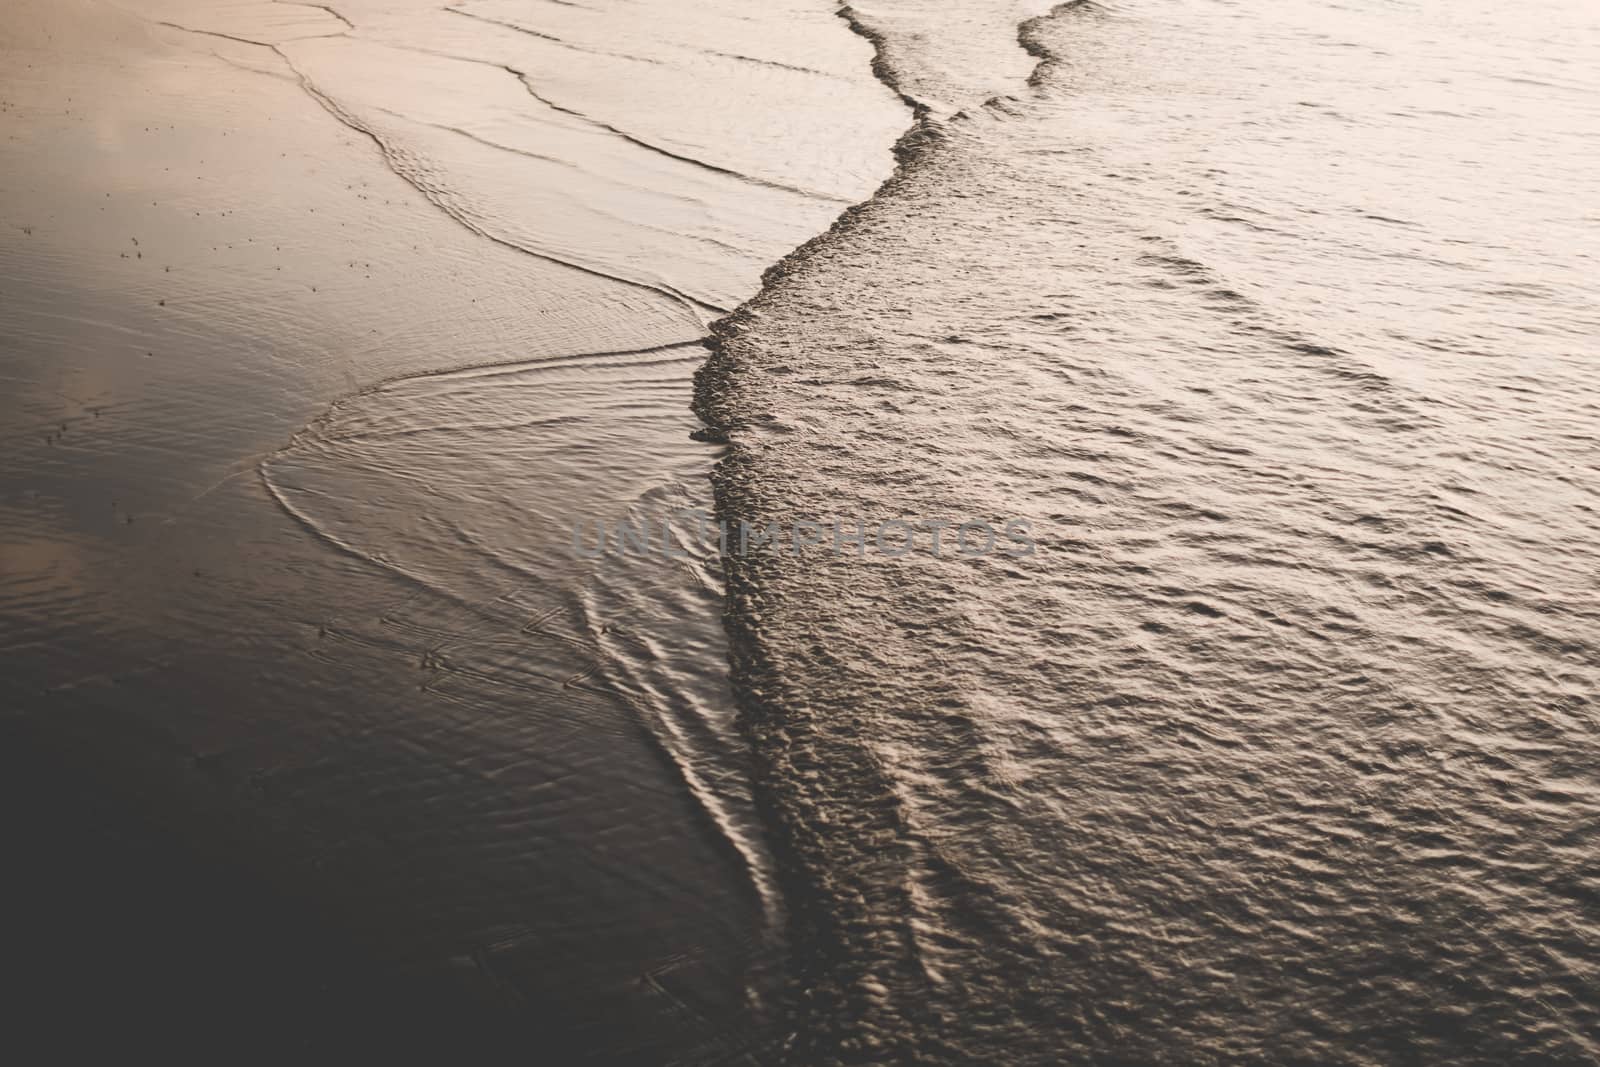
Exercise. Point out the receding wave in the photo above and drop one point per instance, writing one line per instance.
(468, 483)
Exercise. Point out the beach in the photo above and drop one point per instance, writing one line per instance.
(584, 531)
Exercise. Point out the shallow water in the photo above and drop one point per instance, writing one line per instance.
(1276, 325)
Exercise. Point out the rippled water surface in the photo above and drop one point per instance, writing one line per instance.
(1277, 323)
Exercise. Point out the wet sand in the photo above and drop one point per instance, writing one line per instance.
(316, 741)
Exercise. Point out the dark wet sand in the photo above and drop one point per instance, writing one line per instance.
(264, 798)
